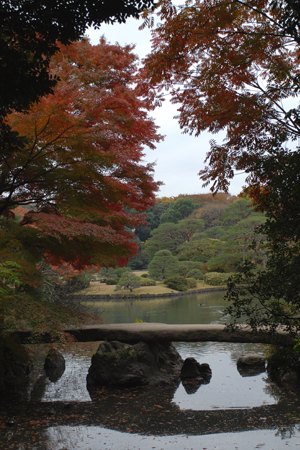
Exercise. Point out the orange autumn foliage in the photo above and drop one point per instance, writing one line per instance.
(82, 172)
(229, 66)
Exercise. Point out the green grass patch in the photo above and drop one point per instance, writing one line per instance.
(98, 288)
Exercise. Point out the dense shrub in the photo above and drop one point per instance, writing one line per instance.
(148, 282)
(107, 273)
(282, 360)
(177, 283)
(120, 271)
(216, 278)
(144, 275)
(192, 283)
(225, 263)
(186, 266)
(195, 273)
(112, 281)
(220, 268)
(78, 283)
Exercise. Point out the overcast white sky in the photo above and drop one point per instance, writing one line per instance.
(180, 156)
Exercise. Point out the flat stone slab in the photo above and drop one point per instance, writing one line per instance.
(135, 332)
(151, 332)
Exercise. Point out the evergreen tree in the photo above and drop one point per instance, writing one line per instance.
(163, 265)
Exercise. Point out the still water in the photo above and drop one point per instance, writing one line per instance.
(197, 308)
(232, 412)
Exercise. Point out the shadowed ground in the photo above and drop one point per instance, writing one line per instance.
(151, 413)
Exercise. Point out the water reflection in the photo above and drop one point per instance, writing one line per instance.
(227, 389)
(101, 438)
(191, 385)
(139, 416)
(71, 386)
(230, 412)
(198, 308)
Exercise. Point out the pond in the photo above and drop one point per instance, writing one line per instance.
(232, 412)
(197, 308)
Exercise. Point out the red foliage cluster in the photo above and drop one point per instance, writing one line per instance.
(82, 170)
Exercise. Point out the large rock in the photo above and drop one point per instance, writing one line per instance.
(15, 367)
(193, 374)
(251, 364)
(119, 364)
(192, 369)
(54, 359)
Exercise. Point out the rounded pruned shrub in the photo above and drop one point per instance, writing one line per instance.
(112, 281)
(192, 283)
(177, 283)
(148, 282)
(216, 278)
(195, 273)
(144, 275)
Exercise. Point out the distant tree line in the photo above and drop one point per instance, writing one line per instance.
(205, 236)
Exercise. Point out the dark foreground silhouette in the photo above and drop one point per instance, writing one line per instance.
(145, 411)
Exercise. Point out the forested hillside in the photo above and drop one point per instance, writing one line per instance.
(205, 233)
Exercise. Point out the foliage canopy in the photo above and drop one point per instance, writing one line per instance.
(81, 170)
(30, 32)
(178, 210)
(229, 66)
(234, 66)
(29, 37)
(272, 296)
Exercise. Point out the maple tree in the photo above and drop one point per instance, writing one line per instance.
(66, 195)
(82, 170)
(229, 65)
(29, 36)
(30, 32)
(289, 16)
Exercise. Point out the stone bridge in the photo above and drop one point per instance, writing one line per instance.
(150, 332)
